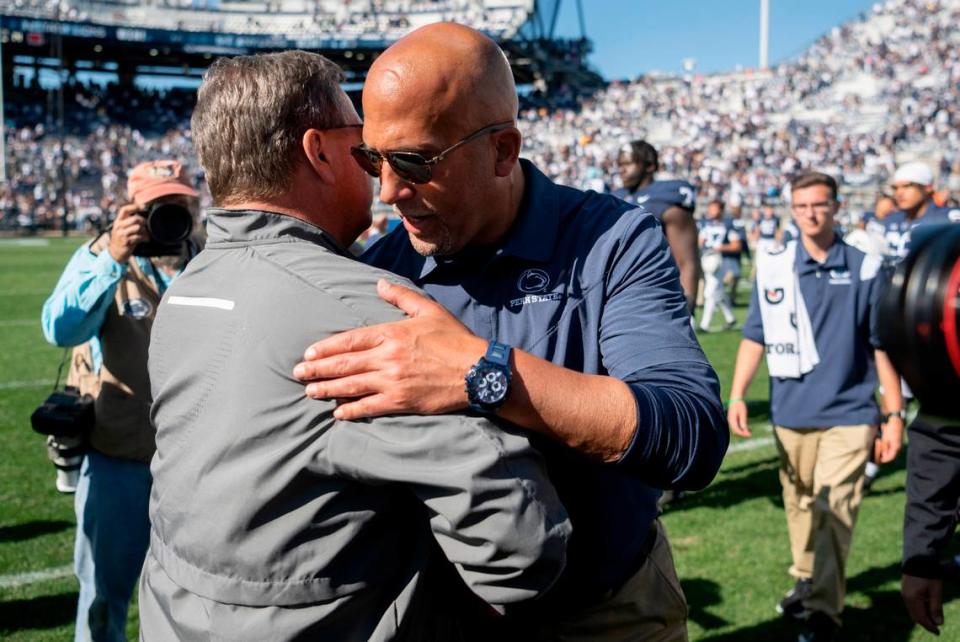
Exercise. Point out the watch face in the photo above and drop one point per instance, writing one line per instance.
(490, 385)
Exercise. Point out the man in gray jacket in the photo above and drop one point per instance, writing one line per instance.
(270, 518)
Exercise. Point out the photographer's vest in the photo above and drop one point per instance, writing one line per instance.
(122, 389)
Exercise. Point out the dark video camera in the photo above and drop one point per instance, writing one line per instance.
(169, 226)
(920, 319)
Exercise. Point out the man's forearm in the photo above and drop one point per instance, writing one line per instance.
(78, 306)
(594, 414)
(890, 381)
(681, 233)
(748, 360)
(690, 280)
(665, 424)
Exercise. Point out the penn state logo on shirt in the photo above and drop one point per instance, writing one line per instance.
(773, 295)
(640, 200)
(137, 308)
(533, 281)
(533, 284)
(839, 277)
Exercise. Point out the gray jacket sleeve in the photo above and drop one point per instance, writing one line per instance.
(493, 511)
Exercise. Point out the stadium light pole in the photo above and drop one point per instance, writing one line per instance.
(764, 32)
(3, 129)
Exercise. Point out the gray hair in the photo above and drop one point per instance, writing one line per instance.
(251, 114)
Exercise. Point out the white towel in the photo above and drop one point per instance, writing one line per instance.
(790, 345)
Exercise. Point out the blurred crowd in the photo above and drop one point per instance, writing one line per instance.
(386, 19)
(93, 167)
(862, 94)
(867, 95)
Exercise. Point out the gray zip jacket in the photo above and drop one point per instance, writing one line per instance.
(272, 520)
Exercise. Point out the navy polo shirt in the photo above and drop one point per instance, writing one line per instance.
(842, 297)
(587, 281)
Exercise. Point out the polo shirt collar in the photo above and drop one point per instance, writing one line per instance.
(251, 226)
(532, 236)
(836, 257)
(534, 233)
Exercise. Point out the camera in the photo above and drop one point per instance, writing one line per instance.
(168, 226)
(66, 417)
(66, 453)
(920, 318)
(65, 413)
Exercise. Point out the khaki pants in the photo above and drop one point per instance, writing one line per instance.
(649, 607)
(821, 471)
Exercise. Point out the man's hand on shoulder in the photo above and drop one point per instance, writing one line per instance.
(414, 366)
(129, 230)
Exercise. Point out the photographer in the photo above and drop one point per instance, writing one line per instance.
(105, 300)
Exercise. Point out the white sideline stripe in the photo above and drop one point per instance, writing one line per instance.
(37, 383)
(12, 322)
(22, 579)
(24, 242)
(751, 444)
(202, 302)
(744, 445)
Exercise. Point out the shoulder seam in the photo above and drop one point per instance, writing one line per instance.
(313, 286)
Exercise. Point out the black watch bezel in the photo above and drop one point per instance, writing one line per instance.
(499, 367)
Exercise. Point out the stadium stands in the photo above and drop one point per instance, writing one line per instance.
(384, 19)
(863, 95)
(872, 92)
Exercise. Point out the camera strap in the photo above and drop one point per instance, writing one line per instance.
(157, 279)
(63, 361)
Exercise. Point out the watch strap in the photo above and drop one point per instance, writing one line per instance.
(498, 353)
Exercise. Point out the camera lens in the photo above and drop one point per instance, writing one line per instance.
(169, 223)
(919, 318)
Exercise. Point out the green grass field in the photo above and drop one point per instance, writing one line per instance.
(730, 541)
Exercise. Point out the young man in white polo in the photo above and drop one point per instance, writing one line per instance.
(813, 316)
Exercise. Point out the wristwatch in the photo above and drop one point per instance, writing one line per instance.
(488, 381)
(902, 413)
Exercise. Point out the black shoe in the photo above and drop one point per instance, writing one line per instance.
(791, 606)
(820, 628)
(730, 325)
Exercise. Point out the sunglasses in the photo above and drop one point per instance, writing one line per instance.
(413, 166)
